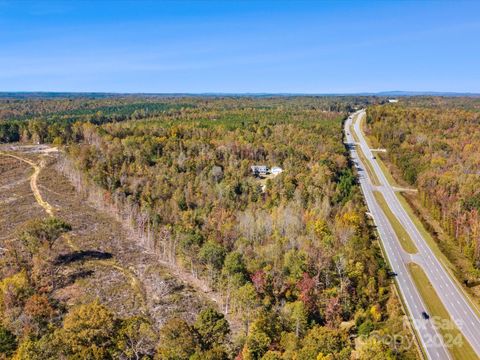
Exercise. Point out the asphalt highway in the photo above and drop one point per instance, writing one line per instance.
(453, 298)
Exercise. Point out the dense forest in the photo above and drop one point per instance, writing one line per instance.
(42, 119)
(298, 268)
(434, 144)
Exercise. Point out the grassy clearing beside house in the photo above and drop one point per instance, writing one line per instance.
(456, 343)
(402, 235)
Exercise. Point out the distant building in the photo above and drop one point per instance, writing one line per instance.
(276, 170)
(259, 170)
(263, 170)
(392, 100)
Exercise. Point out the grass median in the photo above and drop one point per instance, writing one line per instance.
(371, 173)
(362, 129)
(380, 162)
(419, 347)
(449, 266)
(354, 134)
(456, 343)
(402, 235)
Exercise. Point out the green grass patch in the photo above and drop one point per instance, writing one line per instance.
(402, 235)
(368, 166)
(371, 173)
(355, 137)
(363, 158)
(456, 343)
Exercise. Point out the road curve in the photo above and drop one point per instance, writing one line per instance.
(452, 297)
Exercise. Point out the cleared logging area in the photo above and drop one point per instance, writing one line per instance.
(96, 260)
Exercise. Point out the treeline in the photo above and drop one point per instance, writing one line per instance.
(436, 150)
(24, 107)
(60, 128)
(443, 102)
(51, 120)
(295, 263)
(75, 107)
(34, 325)
(293, 256)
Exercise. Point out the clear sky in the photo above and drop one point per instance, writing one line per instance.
(240, 46)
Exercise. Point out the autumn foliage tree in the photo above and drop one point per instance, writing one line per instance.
(435, 149)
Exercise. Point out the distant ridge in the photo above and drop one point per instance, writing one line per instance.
(426, 93)
(52, 95)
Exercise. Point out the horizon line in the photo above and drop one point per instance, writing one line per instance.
(399, 93)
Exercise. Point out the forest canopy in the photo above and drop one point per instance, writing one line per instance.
(293, 257)
(434, 143)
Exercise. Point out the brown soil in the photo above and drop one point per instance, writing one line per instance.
(97, 257)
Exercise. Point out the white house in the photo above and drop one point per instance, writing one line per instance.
(258, 170)
(276, 170)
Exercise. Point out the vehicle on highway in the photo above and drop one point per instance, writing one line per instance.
(393, 248)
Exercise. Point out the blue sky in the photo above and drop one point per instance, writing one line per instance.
(240, 46)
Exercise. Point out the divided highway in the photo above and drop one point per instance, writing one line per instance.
(451, 295)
